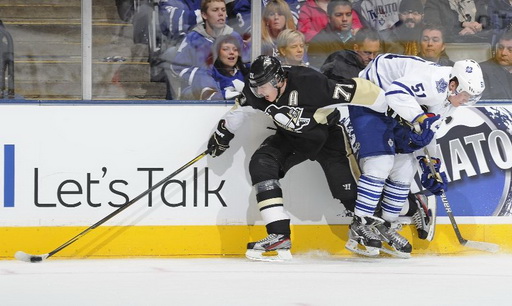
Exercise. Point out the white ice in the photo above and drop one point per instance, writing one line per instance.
(312, 279)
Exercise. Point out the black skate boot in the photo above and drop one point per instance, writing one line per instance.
(273, 242)
(425, 217)
(397, 244)
(362, 236)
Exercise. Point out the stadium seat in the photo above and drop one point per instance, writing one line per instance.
(478, 51)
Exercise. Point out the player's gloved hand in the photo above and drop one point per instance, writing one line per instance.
(432, 182)
(428, 125)
(219, 141)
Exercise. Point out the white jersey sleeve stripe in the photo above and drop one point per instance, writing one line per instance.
(396, 92)
(404, 87)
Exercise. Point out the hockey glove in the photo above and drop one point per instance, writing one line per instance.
(428, 124)
(219, 141)
(431, 181)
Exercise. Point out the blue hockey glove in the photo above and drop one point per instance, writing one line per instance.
(219, 141)
(428, 124)
(433, 182)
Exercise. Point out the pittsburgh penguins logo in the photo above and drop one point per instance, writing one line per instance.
(289, 118)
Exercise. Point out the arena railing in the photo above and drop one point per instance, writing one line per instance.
(6, 64)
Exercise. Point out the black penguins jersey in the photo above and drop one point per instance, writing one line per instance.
(300, 107)
(304, 110)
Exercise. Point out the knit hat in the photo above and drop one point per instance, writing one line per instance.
(411, 5)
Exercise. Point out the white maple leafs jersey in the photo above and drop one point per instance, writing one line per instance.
(410, 82)
(380, 14)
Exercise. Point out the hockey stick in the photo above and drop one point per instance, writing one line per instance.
(20, 255)
(479, 245)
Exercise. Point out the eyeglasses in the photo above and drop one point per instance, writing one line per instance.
(414, 13)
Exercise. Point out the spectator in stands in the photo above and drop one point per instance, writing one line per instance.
(498, 70)
(336, 35)
(177, 17)
(465, 20)
(228, 69)
(313, 18)
(194, 57)
(380, 15)
(432, 45)
(500, 14)
(291, 45)
(408, 29)
(239, 14)
(348, 63)
(275, 18)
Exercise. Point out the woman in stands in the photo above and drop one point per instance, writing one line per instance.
(228, 69)
(277, 17)
(291, 45)
(193, 61)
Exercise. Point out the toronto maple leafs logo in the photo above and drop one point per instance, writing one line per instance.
(289, 118)
(441, 86)
(469, 69)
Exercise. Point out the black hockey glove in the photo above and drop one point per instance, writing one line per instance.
(428, 125)
(219, 142)
(431, 181)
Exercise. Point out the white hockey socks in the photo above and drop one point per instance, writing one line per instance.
(394, 197)
(369, 190)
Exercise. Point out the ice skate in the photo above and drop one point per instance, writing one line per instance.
(266, 249)
(395, 244)
(362, 236)
(425, 217)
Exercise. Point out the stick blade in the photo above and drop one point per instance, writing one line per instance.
(483, 246)
(22, 256)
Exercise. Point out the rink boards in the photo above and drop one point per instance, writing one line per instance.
(65, 166)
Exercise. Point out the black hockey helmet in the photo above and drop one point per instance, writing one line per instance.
(266, 69)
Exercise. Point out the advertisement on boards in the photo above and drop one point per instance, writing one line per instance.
(72, 165)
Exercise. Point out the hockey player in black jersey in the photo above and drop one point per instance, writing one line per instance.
(302, 103)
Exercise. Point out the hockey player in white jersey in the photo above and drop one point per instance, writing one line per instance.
(419, 95)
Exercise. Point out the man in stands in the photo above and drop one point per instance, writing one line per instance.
(432, 45)
(498, 70)
(335, 36)
(408, 29)
(194, 55)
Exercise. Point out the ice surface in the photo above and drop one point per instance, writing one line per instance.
(312, 279)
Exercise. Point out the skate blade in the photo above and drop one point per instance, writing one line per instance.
(432, 229)
(278, 255)
(395, 253)
(353, 247)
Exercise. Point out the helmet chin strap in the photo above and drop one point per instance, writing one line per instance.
(279, 90)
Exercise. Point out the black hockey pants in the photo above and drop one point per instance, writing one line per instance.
(276, 156)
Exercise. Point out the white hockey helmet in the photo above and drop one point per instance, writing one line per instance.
(470, 78)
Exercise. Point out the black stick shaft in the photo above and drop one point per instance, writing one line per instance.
(444, 199)
(120, 209)
(449, 212)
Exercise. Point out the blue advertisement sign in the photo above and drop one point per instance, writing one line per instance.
(476, 150)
